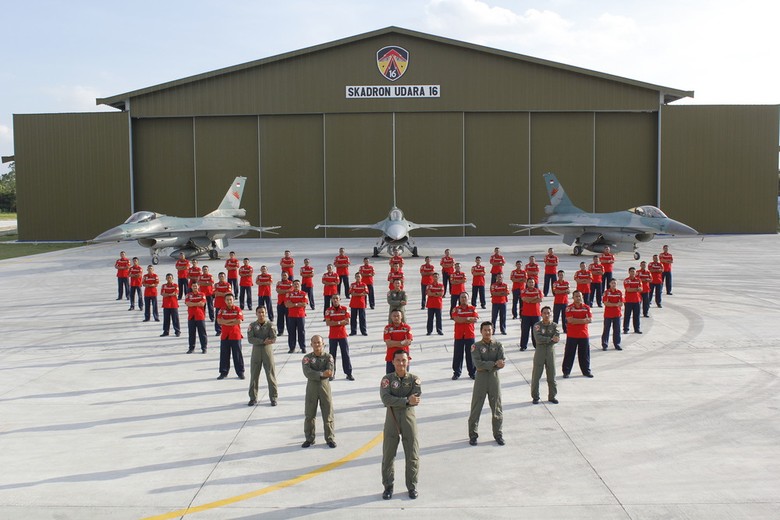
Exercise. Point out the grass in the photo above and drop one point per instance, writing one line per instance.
(30, 248)
(7, 216)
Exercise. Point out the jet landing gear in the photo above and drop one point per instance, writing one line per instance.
(636, 255)
(577, 250)
(213, 254)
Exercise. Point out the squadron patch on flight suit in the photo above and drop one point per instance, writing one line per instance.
(483, 349)
(396, 384)
(385, 382)
(305, 361)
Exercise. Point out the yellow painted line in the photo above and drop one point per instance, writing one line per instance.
(276, 487)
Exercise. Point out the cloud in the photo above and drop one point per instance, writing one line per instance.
(72, 98)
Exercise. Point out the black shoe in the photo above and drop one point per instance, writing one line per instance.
(307, 444)
(331, 378)
(178, 334)
(331, 444)
(222, 376)
(566, 376)
(618, 348)
(473, 441)
(413, 494)
(536, 400)
(455, 377)
(428, 334)
(157, 319)
(303, 351)
(273, 402)
(523, 348)
(163, 334)
(625, 332)
(553, 400)
(440, 333)
(350, 377)
(637, 332)
(190, 351)
(241, 376)
(353, 333)
(660, 306)
(473, 376)
(603, 348)
(291, 351)
(145, 321)
(218, 333)
(131, 309)
(388, 493)
(203, 351)
(500, 441)
(252, 403)
(503, 333)
(589, 374)
(364, 333)
(118, 299)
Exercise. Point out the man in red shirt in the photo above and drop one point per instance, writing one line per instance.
(613, 310)
(122, 267)
(646, 278)
(596, 279)
(287, 263)
(136, 274)
(397, 335)
(264, 282)
(195, 302)
(230, 319)
(357, 305)
(578, 317)
(367, 273)
(283, 287)
(330, 285)
(464, 316)
(457, 285)
(182, 265)
(667, 260)
(499, 294)
(245, 283)
(307, 281)
(447, 264)
(221, 289)
(478, 282)
(531, 311)
(583, 279)
(550, 270)
(170, 305)
(561, 291)
(206, 283)
(435, 292)
(296, 302)
(633, 288)
(426, 278)
(608, 260)
(496, 265)
(231, 266)
(150, 281)
(656, 269)
(532, 270)
(337, 317)
(341, 263)
(518, 279)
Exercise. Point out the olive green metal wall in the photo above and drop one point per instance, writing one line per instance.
(72, 174)
(719, 167)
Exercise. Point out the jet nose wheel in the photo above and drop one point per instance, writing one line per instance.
(213, 254)
(577, 250)
(376, 252)
(414, 252)
(636, 255)
(155, 260)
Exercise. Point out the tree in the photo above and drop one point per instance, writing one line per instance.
(8, 190)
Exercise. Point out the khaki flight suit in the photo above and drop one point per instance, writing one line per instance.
(544, 357)
(318, 391)
(488, 384)
(400, 423)
(262, 356)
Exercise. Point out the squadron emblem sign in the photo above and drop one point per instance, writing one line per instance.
(392, 61)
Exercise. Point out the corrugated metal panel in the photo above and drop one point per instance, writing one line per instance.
(471, 80)
(626, 160)
(225, 148)
(73, 174)
(719, 167)
(562, 144)
(164, 166)
(429, 170)
(496, 183)
(291, 173)
(359, 169)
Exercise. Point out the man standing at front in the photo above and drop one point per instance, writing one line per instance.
(547, 335)
(136, 274)
(577, 338)
(230, 319)
(400, 392)
(488, 356)
(296, 302)
(667, 260)
(262, 335)
(196, 302)
(150, 281)
(341, 263)
(464, 316)
(122, 267)
(337, 317)
(318, 369)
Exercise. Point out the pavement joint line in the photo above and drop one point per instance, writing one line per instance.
(269, 489)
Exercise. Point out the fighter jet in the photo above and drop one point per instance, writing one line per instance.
(395, 232)
(192, 236)
(620, 230)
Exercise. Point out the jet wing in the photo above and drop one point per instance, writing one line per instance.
(197, 231)
(434, 227)
(353, 227)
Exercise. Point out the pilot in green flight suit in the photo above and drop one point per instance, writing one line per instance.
(318, 368)
(488, 357)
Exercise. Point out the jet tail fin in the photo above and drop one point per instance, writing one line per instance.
(231, 202)
(559, 201)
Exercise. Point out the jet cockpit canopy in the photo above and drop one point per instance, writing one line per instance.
(141, 216)
(648, 211)
(396, 214)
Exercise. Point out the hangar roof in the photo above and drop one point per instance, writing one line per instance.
(119, 101)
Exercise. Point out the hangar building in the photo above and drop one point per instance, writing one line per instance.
(460, 133)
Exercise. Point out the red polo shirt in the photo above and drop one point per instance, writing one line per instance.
(195, 313)
(478, 275)
(613, 296)
(367, 274)
(150, 283)
(245, 273)
(435, 294)
(297, 297)
(231, 331)
(330, 283)
(339, 313)
(633, 296)
(122, 267)
(563, 297)
(231, 265)
(398, 332)
(264, 282)
(426, 273)
(357, 295)
(531, 309)
(550, 264)
(577, 330)
(170, 295)
(498, 293)
(464, 330)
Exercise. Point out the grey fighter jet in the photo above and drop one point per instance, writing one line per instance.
(192, 236)
(395, 232)
(620, 230)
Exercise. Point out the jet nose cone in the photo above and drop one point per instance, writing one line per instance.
(678, 228)
(396, 231)
(112, 235)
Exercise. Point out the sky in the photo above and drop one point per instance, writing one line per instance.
(59, 56)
